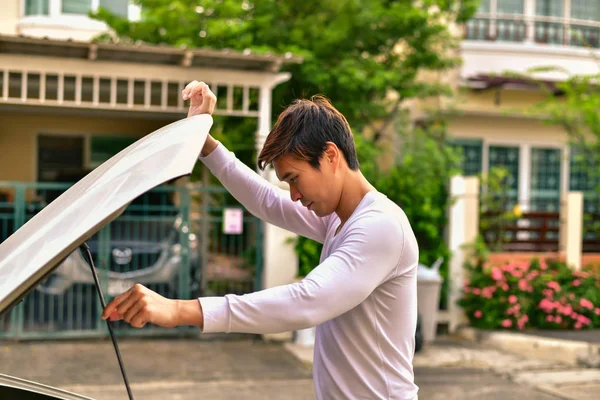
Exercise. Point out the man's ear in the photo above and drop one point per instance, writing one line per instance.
(332, 154)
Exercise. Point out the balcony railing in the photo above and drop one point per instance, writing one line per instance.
(533, 29)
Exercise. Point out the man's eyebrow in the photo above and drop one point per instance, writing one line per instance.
(284, 177)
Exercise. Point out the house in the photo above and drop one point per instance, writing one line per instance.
(67, 104)
(514, 36)
(489, 124)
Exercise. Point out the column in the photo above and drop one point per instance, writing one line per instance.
(529, 13)
(463, 228)
(571, 229)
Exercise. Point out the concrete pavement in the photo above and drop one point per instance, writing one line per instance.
(249, 368)
(462, 369)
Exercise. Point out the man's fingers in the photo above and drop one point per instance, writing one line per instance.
(139, 320)
(186, 91)
(111, 307)
(138, 306)
(192, 89)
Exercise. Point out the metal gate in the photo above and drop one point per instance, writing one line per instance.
(173, 239)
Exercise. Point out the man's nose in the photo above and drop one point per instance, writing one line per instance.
(295, 193)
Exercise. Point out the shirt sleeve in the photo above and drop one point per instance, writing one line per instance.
(368, 256)
(263, 199)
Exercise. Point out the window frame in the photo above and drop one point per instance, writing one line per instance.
(55, 10)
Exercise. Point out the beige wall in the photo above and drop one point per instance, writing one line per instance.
(18, 134)
(10, 11)
(502, 129)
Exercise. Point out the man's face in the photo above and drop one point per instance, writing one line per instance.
(318, 190)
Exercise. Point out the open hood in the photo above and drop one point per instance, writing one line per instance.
(43, 242)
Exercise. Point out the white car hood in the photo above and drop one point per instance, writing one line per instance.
(43, 242)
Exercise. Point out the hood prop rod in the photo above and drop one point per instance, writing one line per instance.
(86, 249)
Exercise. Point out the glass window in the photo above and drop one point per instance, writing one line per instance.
(549, 8)
(471, 155)
(585, 9)
(545, 179)
(37, 7)
(118, 7)
(484, 7)
(76, 6)
(510, 6)
(507, 157)
(104, 147)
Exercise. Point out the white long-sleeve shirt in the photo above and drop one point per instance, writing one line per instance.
(362, 297)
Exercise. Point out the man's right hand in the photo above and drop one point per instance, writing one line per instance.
(202, 101)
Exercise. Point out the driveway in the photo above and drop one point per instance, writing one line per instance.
(240, 368)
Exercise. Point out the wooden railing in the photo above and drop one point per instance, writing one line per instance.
(534, 231)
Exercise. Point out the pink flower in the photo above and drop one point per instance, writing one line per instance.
(574, 315)
(576, 282)
(517, 273)
(478, 314)
(578, 325)
(558, 319)
(507, 323)
(571, 296)
(505, 287)
(488, 292)
(476, 291)
(566, 310)
(597, 311)
(532, 275)
(512, 299)
(585, 303)
(467, 283)
(581, 274)
(514, 309)
(523, 284)
(554, 285)
(497, 274)
(550, 318)
(543, 266)
(549, 293)
(546, 305)
(522, 321)
(584, 320)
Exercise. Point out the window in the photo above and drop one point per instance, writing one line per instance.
(104, 147)
(76, 6)
(545, 179)
(549, 8)
(37, 7)
(510, 6)
(471, 155)
(583, 178)
(484, 7)
(507, 157)
(118, 7)
(585, 9)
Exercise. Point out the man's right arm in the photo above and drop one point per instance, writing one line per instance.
(263, 199)
(209, 146)
(260, 197)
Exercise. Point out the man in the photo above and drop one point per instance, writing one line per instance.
(362, 296)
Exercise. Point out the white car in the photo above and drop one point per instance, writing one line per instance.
(31, 254)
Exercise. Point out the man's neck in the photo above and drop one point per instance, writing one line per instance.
(355, 188)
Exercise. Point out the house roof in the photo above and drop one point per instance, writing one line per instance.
(146, 54)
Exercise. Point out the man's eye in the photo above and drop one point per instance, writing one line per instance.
(294, 179)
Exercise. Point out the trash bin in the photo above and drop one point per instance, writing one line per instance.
(429, 286)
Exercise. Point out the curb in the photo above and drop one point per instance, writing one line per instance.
(571, 352)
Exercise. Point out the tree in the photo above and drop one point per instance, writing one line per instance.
(355, 51)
